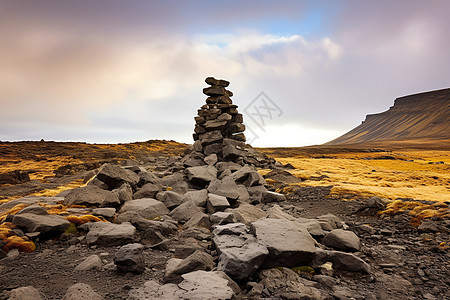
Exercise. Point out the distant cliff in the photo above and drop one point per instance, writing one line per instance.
(412, 118)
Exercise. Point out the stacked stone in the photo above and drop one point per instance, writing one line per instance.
(219, 124)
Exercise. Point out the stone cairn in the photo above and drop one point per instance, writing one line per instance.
(219, 126)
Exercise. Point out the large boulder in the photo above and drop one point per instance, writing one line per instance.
(288, 244)
(80, 291)
(45, 224)
(91, 196)
(108, 234)
(341, 239)
(130, 258)
(114, 176)
(146, 207)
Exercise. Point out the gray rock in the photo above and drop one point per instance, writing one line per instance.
(177, 182)
(146, 207)
(196, 261)
(90, 263)
(35, 209)
(241, 262)
(114, 176)
(130, 258)
(216, 203)
(81, 291)
(211, 137)
(153, 290)
(332, 221)
(108, 234)
(244, 196)
(347, 262)
(107, 212)
(211, 159)
(25, 293)
(149, 190)
(30, 200)
(124, 192)
(45, 224)
(222, 218)
(284, 283)
(247, 213)
(206, 285)
(198, 220)
(91, 195)
(185, 211)
(248, 177)
(199, 197)
(149, 177)
(93, 182)
(225, 187)
(288, 244)
(202, 175)
(193, 159)
(341, 239)
(270, 196)
(170, 199)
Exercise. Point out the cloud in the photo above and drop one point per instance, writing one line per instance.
(119, 72)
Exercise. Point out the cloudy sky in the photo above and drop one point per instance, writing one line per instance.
(123, 71)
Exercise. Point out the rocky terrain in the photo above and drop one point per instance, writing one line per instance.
(205, 224)
(415, 119)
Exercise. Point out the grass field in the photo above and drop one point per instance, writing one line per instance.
(408, 173)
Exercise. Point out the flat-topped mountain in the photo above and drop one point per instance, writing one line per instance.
(417, 118)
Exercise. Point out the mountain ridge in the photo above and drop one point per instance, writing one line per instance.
(422, 116)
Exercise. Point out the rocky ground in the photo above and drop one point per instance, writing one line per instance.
(205, 236)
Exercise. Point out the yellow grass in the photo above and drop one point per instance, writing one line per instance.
(350, 174)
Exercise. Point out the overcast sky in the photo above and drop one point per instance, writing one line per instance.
(123, 71)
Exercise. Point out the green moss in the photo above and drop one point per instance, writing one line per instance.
(303, 269)
(72, 229)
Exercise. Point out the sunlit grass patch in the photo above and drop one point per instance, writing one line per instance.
(54, 192)
(12, 241)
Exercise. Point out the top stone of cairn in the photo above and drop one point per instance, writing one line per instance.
(217, 82)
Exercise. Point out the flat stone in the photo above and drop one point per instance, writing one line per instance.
(107, 212)
(90, 263)
(222, 218)
(91, 195)
(34, 209)
(108, 234)
(288, 244)
(45, 224)
(216, 203)
(146, 207)
(201, 175)
(217, 82)
(341, 239)
(214, 91)
(210, 138)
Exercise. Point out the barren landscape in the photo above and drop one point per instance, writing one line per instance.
(222, 220)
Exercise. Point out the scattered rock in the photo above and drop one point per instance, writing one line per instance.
(107, 234)
(45, 224)
(89, 263)
(196, 261)
(25, 293)
(146, 207)
(130, 258)
(341, 239)
(80, 291)
(91, 196)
